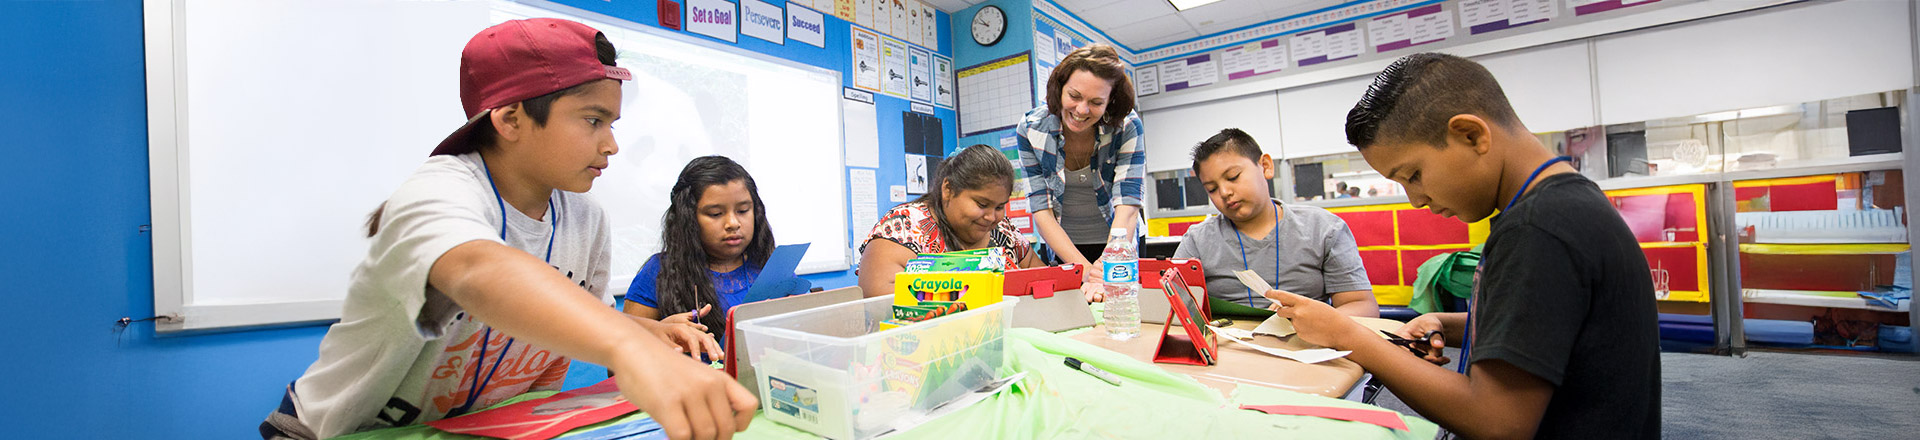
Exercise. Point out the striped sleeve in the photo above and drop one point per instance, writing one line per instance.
(1033, 169)
(1130, 172)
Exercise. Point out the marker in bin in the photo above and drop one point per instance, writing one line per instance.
(1095, 371)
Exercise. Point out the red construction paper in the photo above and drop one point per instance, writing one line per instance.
(1381, 417)
(544, 418)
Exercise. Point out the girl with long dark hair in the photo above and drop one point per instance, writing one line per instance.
(714, 241)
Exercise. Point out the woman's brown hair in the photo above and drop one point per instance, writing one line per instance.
(1104, 63)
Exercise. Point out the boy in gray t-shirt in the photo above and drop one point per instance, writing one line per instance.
(1304, 250)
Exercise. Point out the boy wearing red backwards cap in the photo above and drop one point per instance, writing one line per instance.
(488, 267)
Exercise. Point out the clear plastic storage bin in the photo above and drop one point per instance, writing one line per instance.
(832, 372)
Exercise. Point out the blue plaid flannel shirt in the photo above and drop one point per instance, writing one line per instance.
(1118, 155)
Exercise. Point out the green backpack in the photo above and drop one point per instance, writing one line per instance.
(1451, 273)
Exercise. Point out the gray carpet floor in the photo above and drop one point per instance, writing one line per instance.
(1784, 395)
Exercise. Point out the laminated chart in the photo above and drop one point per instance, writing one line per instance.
(994, 95)
(1330, 44)
(1412, 28)
(1253, 59)
(1483, 16)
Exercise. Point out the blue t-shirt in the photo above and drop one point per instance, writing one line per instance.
(731, 286)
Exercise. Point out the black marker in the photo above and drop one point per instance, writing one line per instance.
(1095, 371)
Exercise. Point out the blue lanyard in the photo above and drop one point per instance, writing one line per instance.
(473, 393)
(1276, 249)
(1467, 345)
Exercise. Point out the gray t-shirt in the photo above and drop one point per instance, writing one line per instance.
(1079, 213)
(1312, 255)
(403, 353)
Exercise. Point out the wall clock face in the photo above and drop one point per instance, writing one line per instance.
(989, 24)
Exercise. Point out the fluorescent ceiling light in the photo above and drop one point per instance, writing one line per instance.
(1189, 4)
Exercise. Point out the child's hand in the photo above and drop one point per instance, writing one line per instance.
(689, 340)
(1422, 326)
(1316, 322)
(689, 318)
(688, 399)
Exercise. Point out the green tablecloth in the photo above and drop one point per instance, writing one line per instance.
(1054, 401)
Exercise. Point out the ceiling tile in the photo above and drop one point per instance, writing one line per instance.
(1175, 37)
(1123, 13)
(1224, 11)
(1080, 7)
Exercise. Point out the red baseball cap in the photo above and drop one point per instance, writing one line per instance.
(520, 60)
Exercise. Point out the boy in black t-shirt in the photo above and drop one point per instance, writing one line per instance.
(1562, 338)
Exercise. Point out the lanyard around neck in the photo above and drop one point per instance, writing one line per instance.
(503, 211)
(1276, 248)
(1467, 345)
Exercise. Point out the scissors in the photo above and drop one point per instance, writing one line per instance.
(1409, 343)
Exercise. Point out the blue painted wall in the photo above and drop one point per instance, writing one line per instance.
(76, 199)
(966, 53)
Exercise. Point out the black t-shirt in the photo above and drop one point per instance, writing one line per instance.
(1564, 294)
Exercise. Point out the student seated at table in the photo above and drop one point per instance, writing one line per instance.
(714, 241)
(965, 208)
(1562, 339)
(1301, 249)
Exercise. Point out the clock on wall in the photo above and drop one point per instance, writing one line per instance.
(989, 24)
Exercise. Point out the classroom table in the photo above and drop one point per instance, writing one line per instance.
(1054, 401)
(1239, 364)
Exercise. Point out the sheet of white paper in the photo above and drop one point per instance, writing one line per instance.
(1274, 325)
(865, 205)
(861, 128)
(1312, 356)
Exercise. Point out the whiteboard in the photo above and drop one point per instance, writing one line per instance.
(269, 145)
(1173, 132)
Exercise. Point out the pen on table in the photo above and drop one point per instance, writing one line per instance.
(1092, 370)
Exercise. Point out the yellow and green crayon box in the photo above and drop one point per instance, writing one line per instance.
(976, 289)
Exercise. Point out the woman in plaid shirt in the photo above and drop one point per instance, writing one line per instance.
(1081, 157)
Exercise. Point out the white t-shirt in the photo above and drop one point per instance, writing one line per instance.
(403, 353)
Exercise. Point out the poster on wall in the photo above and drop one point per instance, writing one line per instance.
(763, 20)
(806, 26)
(713, 18)
(930, 27)
(912, 32)
(1253, 59)
(1483, 16)
(1330, 44)
(882, 16)
(917, 173)
(996, 94)
(1425, 25)
(1584, 7)
(900, 22)
(1189, 72)
(893, 67)
(919, 73)
(866, 59)
(943, 93)
(846, 10)
(863, 12)
(1147, 80)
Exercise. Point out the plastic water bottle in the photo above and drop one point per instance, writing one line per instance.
(1120, 276)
